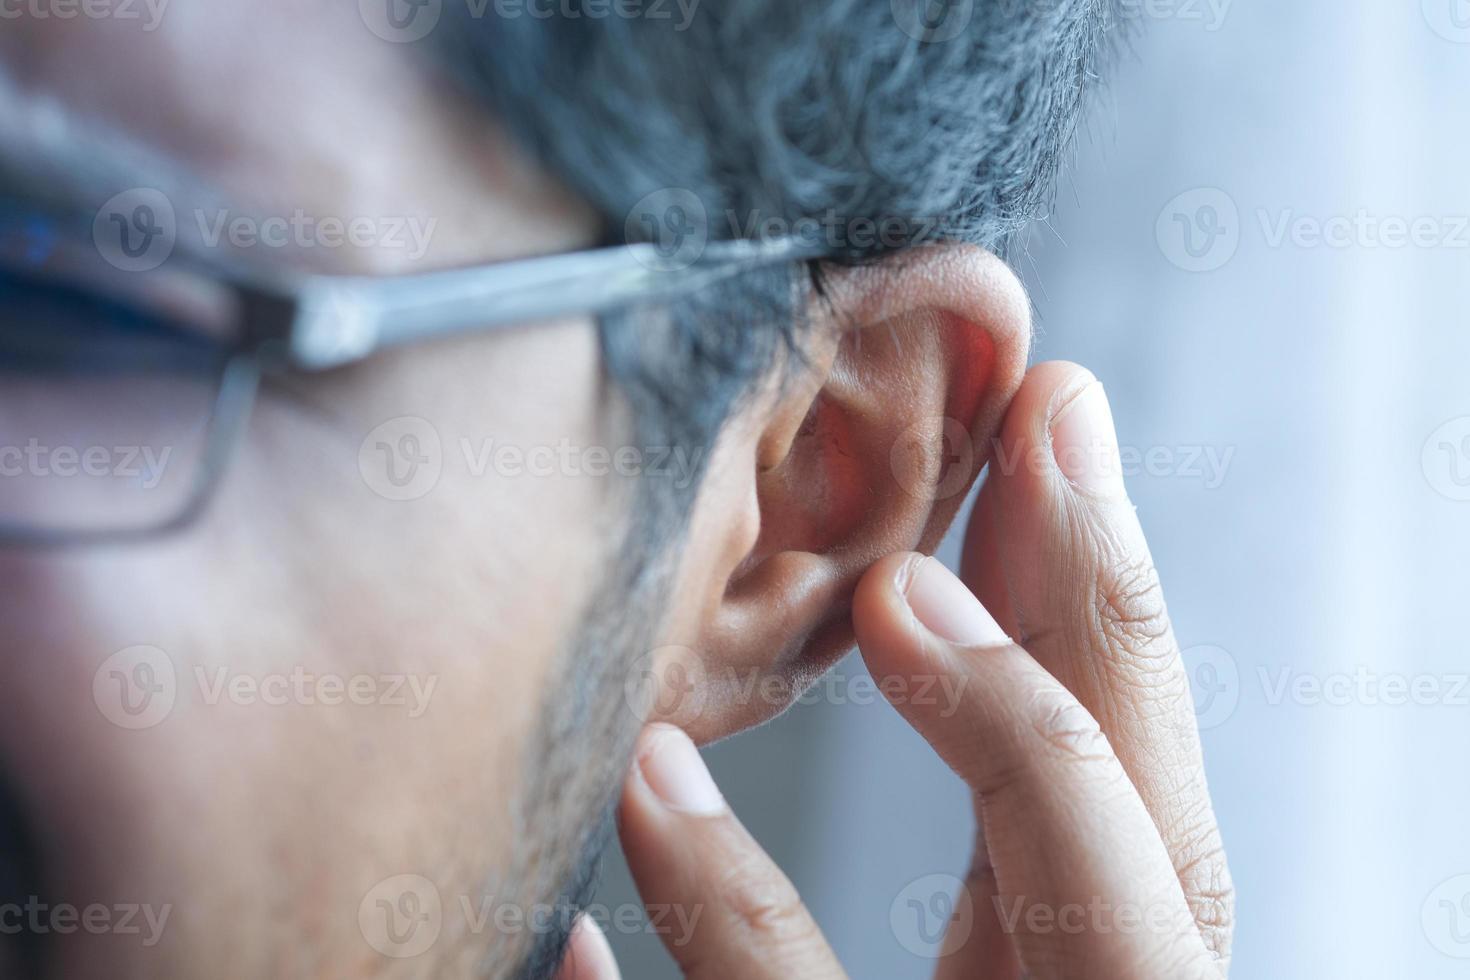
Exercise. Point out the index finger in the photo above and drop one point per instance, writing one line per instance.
(1057, 551)
(1077, 874)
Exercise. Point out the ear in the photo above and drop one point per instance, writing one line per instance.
(869, 447)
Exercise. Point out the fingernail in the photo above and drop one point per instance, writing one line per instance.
(948, 608)
(1085, 443)
(675, 771)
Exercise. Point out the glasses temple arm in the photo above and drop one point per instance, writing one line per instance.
(342, 319)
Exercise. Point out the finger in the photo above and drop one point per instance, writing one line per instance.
(722, 907)
(978, 945)
(1057, 550)
(589, 956)
(1084, 884)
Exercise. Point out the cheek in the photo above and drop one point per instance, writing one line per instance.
(318, 565)
(256, 779)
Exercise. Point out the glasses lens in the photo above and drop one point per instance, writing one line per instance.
(105, 411)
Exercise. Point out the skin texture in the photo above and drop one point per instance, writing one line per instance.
(298, 564)
(907, 379)
(1098, 854)
(265, 827)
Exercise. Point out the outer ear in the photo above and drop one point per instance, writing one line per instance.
(871, 449)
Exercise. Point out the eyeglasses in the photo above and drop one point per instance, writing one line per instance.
(123, 395)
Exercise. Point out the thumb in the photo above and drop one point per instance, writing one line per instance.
(720, 904)
(589, 956)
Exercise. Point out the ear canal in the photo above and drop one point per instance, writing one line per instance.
(884, 454)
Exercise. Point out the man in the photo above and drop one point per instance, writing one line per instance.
(338, 589)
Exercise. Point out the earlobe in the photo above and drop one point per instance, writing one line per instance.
(870, 450)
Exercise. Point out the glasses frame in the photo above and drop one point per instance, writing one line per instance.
(319, 322)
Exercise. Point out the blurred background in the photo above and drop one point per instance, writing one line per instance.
(1262, 248)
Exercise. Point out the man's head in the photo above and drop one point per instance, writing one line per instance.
(366, 714)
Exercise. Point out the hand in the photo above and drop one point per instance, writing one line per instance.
(1099, 855)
